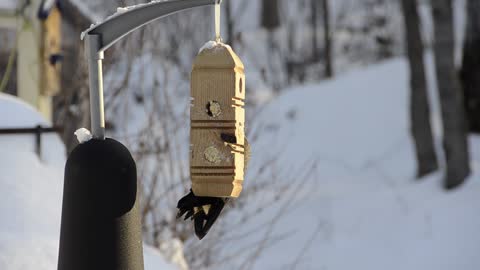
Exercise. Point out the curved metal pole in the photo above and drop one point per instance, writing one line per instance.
(102, 36)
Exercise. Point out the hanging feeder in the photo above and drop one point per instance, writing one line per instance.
(217, 134)
(219, 150)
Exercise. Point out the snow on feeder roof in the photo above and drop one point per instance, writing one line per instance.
(46, 7)
(217, 54)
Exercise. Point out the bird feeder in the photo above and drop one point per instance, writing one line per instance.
(217, 111)
(50, 51)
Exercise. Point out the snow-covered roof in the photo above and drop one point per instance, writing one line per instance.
(81, 8)
(46, 7)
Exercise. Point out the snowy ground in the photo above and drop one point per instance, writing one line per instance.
(362, 207)
(30, 203)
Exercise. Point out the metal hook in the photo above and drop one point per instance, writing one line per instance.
(101, 36)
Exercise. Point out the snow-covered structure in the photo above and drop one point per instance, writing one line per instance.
(45, 32)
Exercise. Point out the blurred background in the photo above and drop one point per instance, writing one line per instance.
(362, 116)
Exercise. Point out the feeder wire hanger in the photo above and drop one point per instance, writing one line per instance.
(218, 37)
(102, 36)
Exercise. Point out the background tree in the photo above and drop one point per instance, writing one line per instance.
(454, 125)
(314, 10)
(270, 14)
(420, 126)
(327, 38)
(321, 7)
(470, 72)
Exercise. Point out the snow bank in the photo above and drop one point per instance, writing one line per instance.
(30, 205)
(31, 200)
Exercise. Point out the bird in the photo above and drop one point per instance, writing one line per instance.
(204, 211)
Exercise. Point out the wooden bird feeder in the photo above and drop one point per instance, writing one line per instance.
(50, 47)
(218, 100)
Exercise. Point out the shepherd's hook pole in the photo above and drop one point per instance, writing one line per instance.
(101, 36)
(97, 110)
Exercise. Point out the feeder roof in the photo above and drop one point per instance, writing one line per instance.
(46, 7)
(218, 55)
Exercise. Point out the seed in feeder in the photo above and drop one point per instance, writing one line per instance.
(213, 155)
(214, 109)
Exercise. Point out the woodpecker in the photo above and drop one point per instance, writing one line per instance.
(204, 211)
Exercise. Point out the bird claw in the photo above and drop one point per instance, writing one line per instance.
(195, 208)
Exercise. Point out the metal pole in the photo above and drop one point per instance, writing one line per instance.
(97, 112)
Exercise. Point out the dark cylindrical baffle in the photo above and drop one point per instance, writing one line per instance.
(101, 226)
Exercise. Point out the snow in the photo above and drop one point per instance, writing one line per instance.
(31, 186)
(82, 35)
(48, 4)
(361, 206)
(208, 46)
(212, 45)
(83, 135)
(120, 10)
(173, 252)
(30, 205)
(154, 260)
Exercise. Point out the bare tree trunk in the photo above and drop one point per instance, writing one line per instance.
(420, 126)
(270, 14)
(454, 125)
(470, 73)
(327, 39)
(314, 25)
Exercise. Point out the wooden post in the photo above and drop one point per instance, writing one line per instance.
(50, 52)
(28, 61)
(218, 100)
(37, 78)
